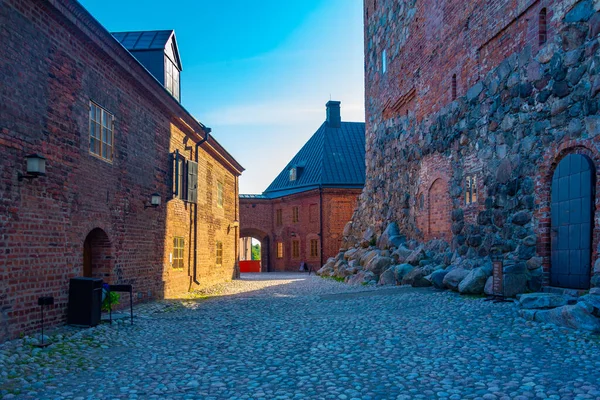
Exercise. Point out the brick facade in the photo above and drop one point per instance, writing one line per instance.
(258, 219)
(54, 60)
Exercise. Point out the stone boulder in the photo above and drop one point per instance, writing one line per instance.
(346, 270)
(390, 237)
(416, 256)
(437, 278)
(401, 270)
(388, 277)
(368, 256)
(489, 286)
(542, 300)
(327, 269)
(593, 300)
(378, 264)
(350, 254)
(339, 264)
(360, 278)
(514, 284)
(578, 316)
(416, 278)
(474, 282)
(369, 234)
(454, 277)
(347, 229)
(401, 254)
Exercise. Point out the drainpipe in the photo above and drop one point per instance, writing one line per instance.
(321, 222)
(207, 131)
(236, 268)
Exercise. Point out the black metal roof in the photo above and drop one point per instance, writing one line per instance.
(332, 157)
(148, 40)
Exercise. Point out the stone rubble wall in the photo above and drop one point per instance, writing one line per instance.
(510, 130)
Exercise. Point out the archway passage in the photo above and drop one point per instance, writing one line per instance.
(249, 262)
(97, 259)
(439, 211)
(572, 220)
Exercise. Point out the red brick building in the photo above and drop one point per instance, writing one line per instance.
(302, 214)
(482, 126)
(112, 136)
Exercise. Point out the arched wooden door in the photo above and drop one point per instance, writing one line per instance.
(572, 220)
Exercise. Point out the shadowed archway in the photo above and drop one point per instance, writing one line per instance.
(264, 240)
(97, 255)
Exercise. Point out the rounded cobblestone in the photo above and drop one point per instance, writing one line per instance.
(290, 336)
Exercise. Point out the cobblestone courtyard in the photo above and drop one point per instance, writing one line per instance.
(292, 336)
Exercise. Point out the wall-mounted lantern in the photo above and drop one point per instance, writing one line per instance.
(154, 201)
(36, 166)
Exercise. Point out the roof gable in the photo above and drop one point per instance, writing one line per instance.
(332, 157)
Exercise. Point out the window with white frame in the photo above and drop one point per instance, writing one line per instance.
(220, 194)
(101, 132)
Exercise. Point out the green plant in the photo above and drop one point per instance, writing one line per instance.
(110, 300)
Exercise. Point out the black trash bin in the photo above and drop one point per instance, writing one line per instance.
(85, 300)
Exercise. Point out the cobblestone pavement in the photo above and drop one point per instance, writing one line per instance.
(284, 336)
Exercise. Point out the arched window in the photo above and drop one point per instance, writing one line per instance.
(454, 87)
(542, 27)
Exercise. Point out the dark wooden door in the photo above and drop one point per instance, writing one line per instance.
(572, 218)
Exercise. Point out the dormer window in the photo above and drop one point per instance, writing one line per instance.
(293, 174)
(157, 51)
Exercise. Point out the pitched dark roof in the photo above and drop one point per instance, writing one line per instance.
(150, 40)
(143, 40)
(332, 157)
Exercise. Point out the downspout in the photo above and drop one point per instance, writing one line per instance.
(321, 223)
(207, 131)
(236, 268)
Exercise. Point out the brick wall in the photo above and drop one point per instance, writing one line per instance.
(54, 59)
(258, 218)
(429, 41)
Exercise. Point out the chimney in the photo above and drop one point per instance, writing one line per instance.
(334, 120)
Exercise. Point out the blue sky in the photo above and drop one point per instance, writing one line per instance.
(257, 72)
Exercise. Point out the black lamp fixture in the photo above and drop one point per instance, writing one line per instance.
(36, 166)
(154, 201)
(44, 301)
